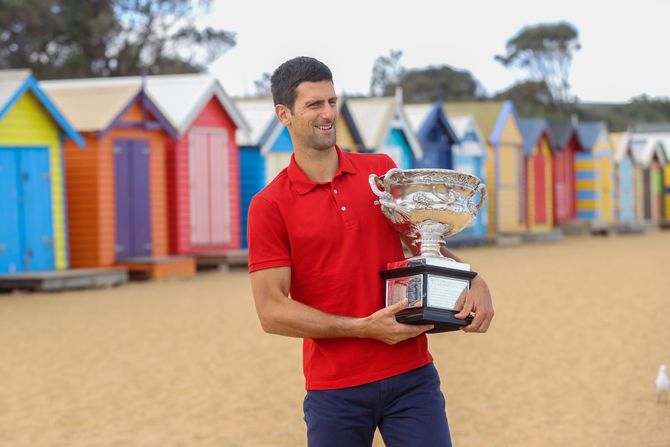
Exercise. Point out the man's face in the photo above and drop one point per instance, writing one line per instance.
(312, 122)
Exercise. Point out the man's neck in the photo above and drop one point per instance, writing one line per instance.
(318, 165)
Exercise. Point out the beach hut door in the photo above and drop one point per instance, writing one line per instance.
(133, 216)
(26, 233)
(209, 187)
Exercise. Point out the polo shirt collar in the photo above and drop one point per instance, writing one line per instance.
(303, 184)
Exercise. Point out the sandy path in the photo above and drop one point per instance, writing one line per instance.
(580, 330)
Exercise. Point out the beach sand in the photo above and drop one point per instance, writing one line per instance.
(581, 327)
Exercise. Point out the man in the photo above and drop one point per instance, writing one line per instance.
(317, 242)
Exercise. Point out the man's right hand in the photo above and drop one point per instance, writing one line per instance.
(383, 326)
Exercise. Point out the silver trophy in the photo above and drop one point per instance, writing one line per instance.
(429, 205)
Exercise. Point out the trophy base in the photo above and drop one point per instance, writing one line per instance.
(443, 320)
(433, 293)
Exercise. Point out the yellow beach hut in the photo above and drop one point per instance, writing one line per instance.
(498, 122)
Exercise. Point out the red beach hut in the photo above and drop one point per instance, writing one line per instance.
(203, 163)
(565, 145)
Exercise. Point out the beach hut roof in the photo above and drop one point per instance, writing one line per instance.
(81, 101)
(490, 115)
(263, 123)
(588, 133)
(620, 144)
(14, 83)
(559, 132)
(645, 146)
(421, 115)
(182, 97)
(531, 129)
(374, 118)
(345, 112)
(462, 124)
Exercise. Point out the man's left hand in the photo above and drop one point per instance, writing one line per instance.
(477, 301)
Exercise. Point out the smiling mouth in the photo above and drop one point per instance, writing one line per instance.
(325, 128)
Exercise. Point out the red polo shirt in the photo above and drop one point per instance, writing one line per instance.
(336, 240)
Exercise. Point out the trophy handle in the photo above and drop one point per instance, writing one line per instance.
(377, 186)
(481, 188)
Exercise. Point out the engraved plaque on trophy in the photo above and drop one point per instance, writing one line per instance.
(429, 205)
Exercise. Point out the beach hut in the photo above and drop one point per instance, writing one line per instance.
(469, 156)
(564, 145)
(627, 176)
(116, 185)
(498, 122)
(594, 175)
(538, 177)
(33, 232)
(385, 128)
(434, 133)
(649, 152)
(348, 137)
(202, 165)
(660, 133)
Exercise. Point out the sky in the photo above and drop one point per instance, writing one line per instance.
(624, 43)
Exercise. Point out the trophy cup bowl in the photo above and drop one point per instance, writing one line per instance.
(429, 205)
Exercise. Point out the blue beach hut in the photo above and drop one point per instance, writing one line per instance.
(33, 232)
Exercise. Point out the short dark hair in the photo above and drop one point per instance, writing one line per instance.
(289, 75)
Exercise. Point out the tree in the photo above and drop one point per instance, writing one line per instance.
(263, 85)
(386, 72)
(546, 52)
(71, 38)
(429, 84)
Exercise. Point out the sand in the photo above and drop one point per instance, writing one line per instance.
(570, 360)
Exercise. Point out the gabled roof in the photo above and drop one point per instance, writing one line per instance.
(375, 117)
(94, 104)
(182, 98)
(559, 132)
(531, 129)
(463, 124)
(588, 133)
(14, 83)
(345, 113)
(421, 117)
(621, 145)
(486, 113)
(645, 145)
(263, 123)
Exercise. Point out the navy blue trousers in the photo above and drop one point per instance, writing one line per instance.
(409, 410)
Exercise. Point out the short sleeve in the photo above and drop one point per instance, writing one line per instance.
(267, 236)
(387, 164)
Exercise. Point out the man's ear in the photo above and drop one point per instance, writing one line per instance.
(283, 114)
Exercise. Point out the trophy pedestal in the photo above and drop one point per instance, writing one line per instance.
(432, 287)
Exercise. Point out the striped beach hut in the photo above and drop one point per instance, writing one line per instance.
(564, 145)
(538, 175)
(434, 133)
(594, 174)
(116, 185)
(203, 164)
(469, 156)
(33, 232)
(504, 163)
(385, 128)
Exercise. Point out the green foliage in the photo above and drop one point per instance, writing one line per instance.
(619, 117)
(73, 38)
(431, 83)
(545, 51)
